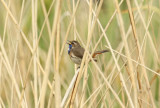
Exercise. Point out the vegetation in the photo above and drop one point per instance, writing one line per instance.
(36, 71)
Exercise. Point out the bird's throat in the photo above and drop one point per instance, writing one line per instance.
(69, 49)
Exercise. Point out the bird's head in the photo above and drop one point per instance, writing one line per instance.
(73, 44)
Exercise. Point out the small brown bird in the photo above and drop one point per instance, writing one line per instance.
(76, 52)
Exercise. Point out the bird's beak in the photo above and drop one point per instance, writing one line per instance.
(68, 42)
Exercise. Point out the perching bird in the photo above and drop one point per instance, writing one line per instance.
(76, 52)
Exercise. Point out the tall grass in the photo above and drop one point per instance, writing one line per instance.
(36, 71)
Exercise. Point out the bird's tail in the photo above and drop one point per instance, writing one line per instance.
(99, 52)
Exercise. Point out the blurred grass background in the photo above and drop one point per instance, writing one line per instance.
(26, 33)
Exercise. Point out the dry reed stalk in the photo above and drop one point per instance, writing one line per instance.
(107, 26)
(153, 78)
(148, 33)
(137, 42)
(145, 66)
(114, 59)
(101, 87)
(74, 91)
(34, 32)
(56, 75)
(96, 92)
(85, 79)
(106, 80)
(135, 62)
(74, 30)
(68, 29)
(143, 69)
(25, 83)
(91, 21)
(83, 96)
(15, 57)
(18, 27)
(48, 60)
(69, 88)
(46, 20)
(135, 35)
(144, 37)
(127, 52)
(51, 96)
(5, 25)
(90, 31)
(145, 7)
(121, 45)
(9, 69)
(2, 103)
(124, 65)
(46, 14)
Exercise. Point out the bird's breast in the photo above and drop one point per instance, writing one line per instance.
(74, 58)
(69, 49)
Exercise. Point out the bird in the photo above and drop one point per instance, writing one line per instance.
(76, 52)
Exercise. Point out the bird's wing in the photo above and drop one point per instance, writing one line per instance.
(78, 52)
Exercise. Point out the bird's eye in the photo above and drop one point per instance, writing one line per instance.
(73, 42)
